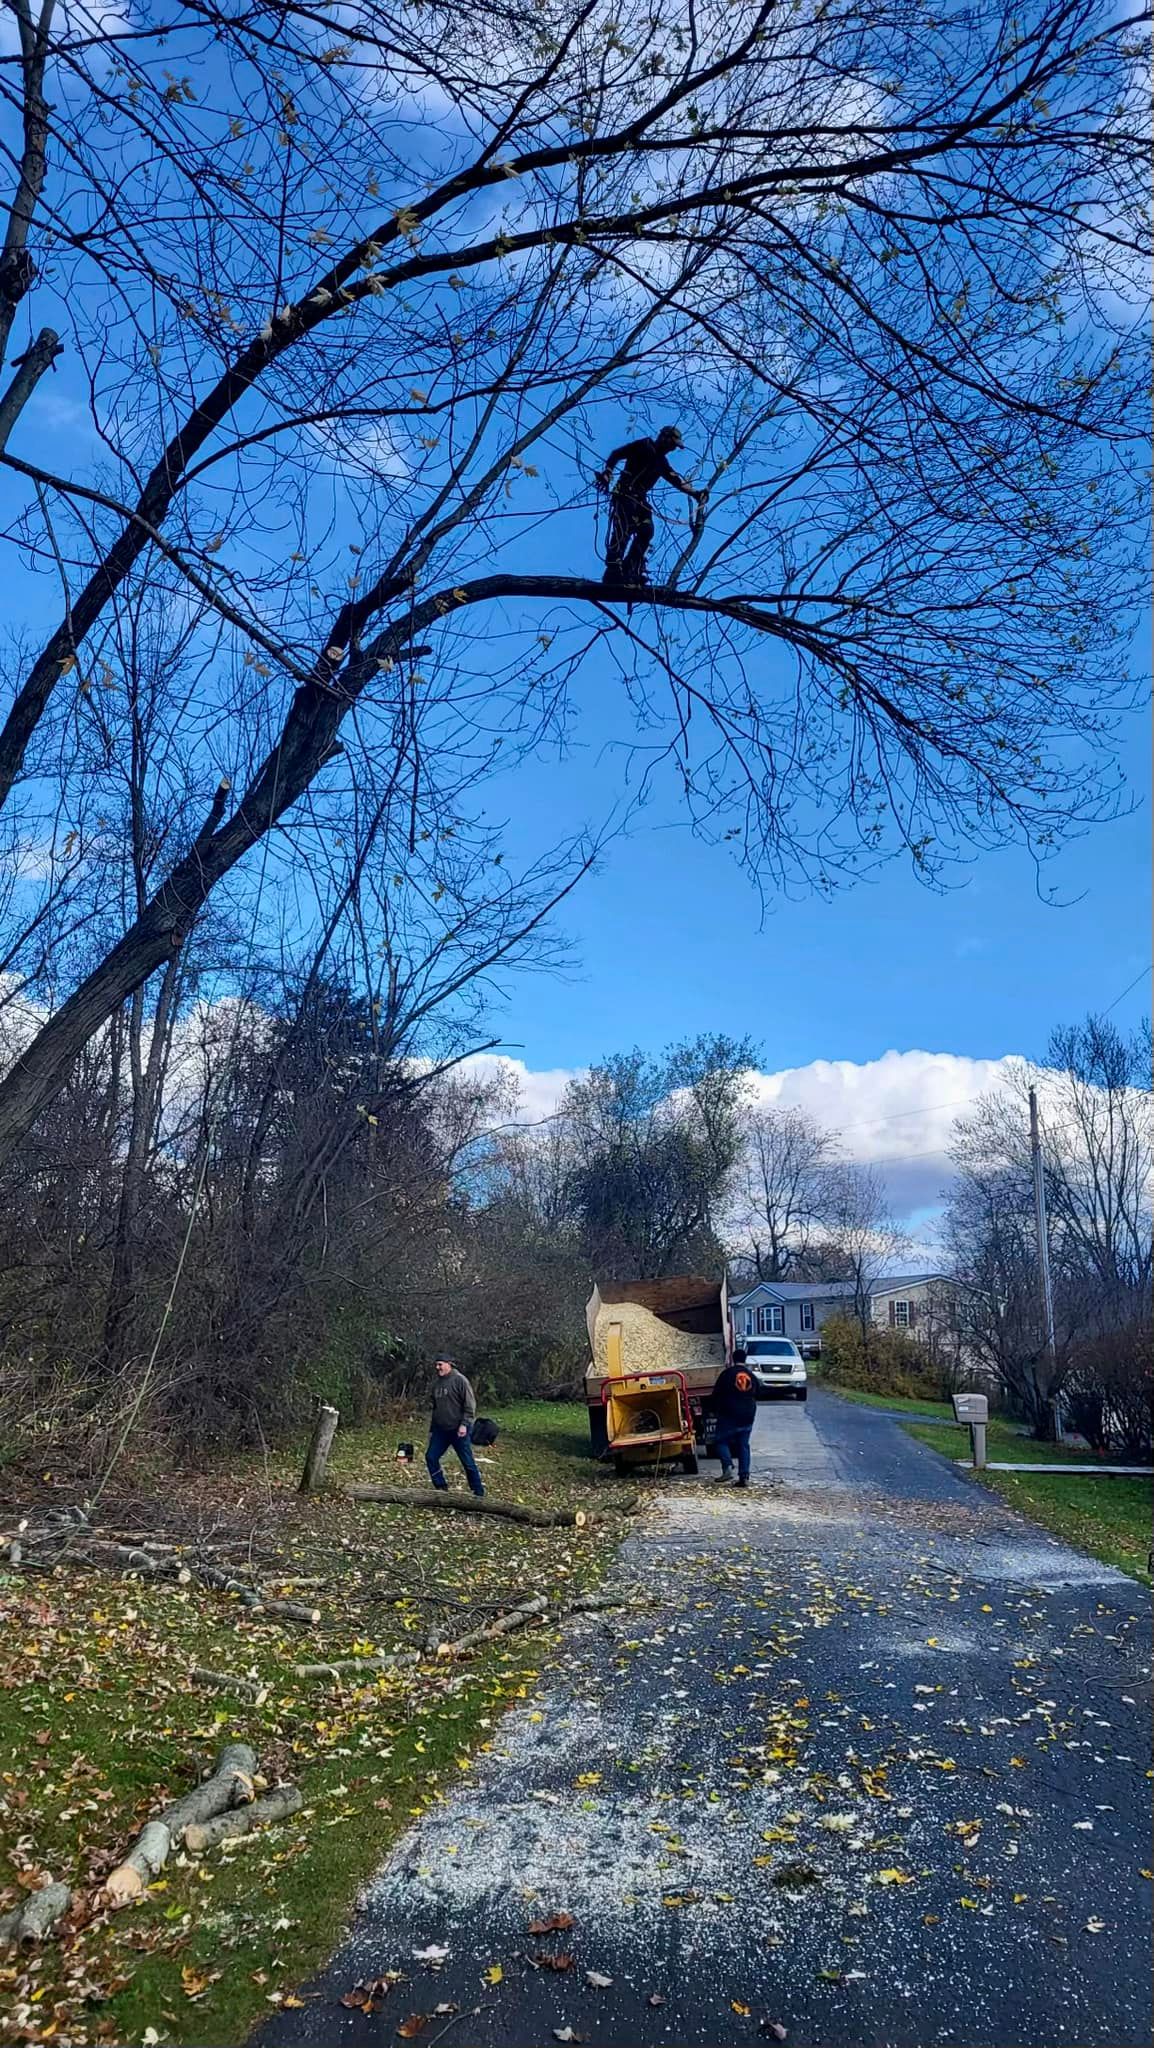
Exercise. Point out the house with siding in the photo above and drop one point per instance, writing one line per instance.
(798, 1308)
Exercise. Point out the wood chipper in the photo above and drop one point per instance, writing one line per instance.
(648, 1420)
(658, 1346)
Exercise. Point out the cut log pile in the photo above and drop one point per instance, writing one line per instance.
(225, 1804)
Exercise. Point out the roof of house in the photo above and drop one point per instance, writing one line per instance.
(829, 1290)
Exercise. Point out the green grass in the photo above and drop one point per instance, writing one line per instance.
(1107, 1518)
(901, 1404)
(99, 1725)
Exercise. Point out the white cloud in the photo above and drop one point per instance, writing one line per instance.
(539, 1091)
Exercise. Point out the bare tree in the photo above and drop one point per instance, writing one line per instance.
(992, 1254)
(864, 1235)
(346, 315)
(789, 1186)
(1094, 1113)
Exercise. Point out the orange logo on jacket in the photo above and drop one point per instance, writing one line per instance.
(743, 1383)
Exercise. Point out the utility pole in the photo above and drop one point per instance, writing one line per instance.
(1044, 1257)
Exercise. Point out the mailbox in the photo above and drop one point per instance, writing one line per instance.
(971, 1408)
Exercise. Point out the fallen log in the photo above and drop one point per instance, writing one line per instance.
(276, 1805)
(468, 1504)
(342, 1665)
(227, 1681)
(517, 1617)
(36, 1918)
(230, 1785)
(289, 1610)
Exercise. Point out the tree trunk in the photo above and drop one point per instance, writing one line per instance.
(261, 1813)
(320, 1444)
(146, 1100)
(467, 1504)
(36, 1918)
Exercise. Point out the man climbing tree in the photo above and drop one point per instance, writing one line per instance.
(645, 463)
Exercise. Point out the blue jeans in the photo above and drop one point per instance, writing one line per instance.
(440, 1441)
(731, 1442)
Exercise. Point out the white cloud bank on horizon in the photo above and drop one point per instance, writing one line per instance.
(896, 1112)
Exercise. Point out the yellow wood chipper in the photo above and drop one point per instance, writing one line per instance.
(658, 1346)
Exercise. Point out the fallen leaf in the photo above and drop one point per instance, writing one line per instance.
(656, 1998)
(735, 2005)
(414, 2025)
(548, 1962)
(433, 1954)
(894, 1876)
(196, 1982)
(597, 1980)
(567, 2034)
(775, 2028)
(557, 1923)
(1094, 1925)
(494, 1974)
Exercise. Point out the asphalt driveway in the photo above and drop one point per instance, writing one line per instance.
(875, 1770)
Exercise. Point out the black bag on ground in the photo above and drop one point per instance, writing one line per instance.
(484, 1432)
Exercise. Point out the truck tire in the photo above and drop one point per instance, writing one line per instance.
(689, 1464)
(802, 1395)
(598, 1429)
(621, 1465)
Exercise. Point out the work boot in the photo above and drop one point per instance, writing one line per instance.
(743, 1482)
(724, 1479)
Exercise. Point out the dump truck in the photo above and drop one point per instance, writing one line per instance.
(657, 1347)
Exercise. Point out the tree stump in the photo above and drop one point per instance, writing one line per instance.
(320, 1444)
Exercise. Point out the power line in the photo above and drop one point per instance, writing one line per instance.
(1125, 992)
(924, 1109)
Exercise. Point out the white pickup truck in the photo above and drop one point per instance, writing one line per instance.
(777, 1365)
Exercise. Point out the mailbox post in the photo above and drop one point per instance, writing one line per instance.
(974, 1409)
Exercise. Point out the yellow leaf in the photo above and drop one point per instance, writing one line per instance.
(735, 2005)
(894, 1877)
(589, 1778)
(494, 1973)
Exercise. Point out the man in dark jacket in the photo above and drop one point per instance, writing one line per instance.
(454, 1411)
(643, 464)
(734, 1402)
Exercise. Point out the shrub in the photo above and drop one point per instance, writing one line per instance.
(892, 1362)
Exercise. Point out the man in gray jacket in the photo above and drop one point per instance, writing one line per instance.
(454, 1412)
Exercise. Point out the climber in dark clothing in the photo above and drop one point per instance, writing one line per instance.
(644, 463)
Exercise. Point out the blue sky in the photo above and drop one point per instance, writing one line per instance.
(883, 1012)
(669, 938)
(670, 941)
